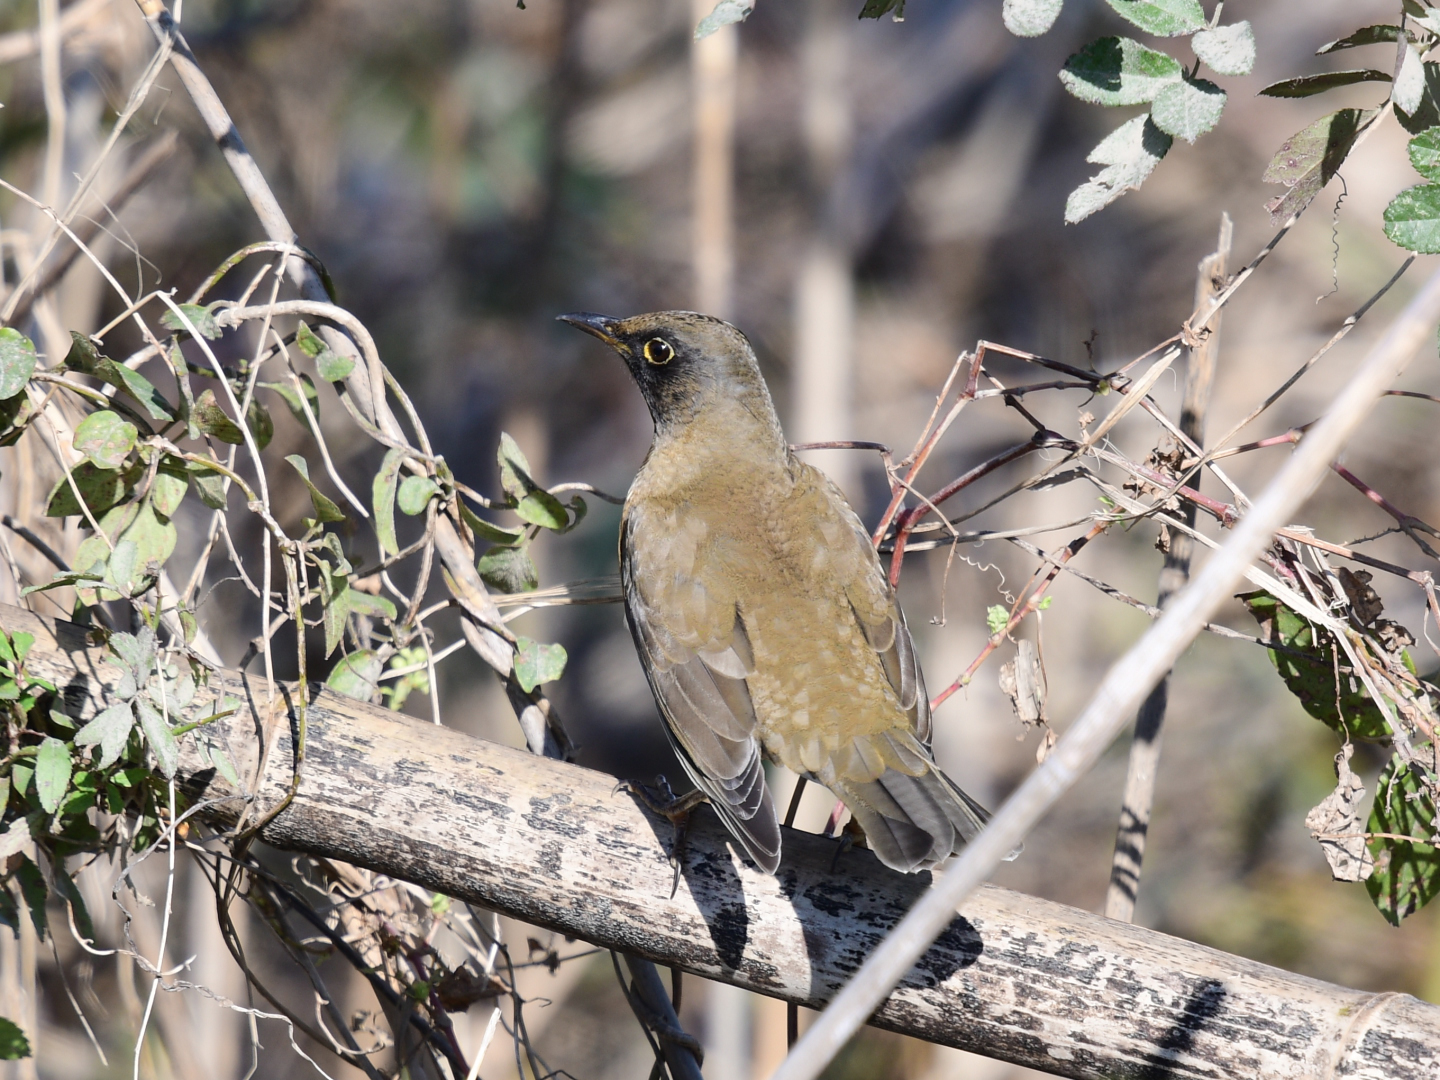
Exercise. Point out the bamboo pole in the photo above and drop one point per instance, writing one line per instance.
(1013, 976)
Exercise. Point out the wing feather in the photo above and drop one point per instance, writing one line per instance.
(709, 716)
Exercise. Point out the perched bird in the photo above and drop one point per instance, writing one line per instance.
(762, 617)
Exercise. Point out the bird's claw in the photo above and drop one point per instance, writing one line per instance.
(664, 802)
(851, 836)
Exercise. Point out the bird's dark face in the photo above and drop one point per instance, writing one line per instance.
(682, 361)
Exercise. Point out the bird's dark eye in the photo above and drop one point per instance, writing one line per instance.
(659, 352)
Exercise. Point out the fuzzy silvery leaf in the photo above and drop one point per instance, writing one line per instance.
(1188, 109)
(1030, 18)
(1226, 50)
(1409, 85)
(1130, 153)
(724, 13)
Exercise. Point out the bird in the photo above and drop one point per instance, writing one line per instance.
(762, 618)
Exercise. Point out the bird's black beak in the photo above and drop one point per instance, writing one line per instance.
(601, 326)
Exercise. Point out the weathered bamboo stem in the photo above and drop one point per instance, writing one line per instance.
(1013, 977)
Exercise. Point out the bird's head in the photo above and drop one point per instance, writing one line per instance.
(685, 363)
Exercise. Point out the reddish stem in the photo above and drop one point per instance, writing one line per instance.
(1032, 603)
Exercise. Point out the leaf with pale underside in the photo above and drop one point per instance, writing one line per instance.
(1130, 154)
(1030, 18)
(1226, 50)
(1188, 109)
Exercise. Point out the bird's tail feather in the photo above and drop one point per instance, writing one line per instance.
(913, 822)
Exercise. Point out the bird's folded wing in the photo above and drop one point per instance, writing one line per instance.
(703, 693)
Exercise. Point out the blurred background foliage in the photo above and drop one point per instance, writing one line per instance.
(468, 169)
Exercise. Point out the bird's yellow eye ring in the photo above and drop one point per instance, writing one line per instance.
(659, 352)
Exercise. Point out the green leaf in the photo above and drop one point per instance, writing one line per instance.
(874, 9)
(724, 13)
(1412, 219)
(257, 418)
(159, 736)
(1367, 35)
(416, 493)
(335, 610)
(33, 892)
(1309, 85)
(85, 358)
(1406, 875)
(329, 365)
(15, 414)
(509, 570)
(135, 651)
(20, 642)
(325, 509)
(514, 468)
(536, 663)
(1188, 109)
(110, 730)
(1226, 50)
(1030, 18)
(1163, 18)
(1425, 153)
(997, 617)
(292, 399)
(52, 773)
(362, 603)
(209, 484)
(356, 675)
(310, 343)
(171, 483)
(543, 509)
(212, 420)
(1130, 154)
(488, 530)
(105, 439)
(1308, 160)
(1119, 71)
(100, 488)
(382, 498)
(154, 541)
(1324, 683)
(13, 1044)
(202, 318)
(17, 361)
(120, 567)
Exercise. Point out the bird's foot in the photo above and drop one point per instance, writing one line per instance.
(851, 836)
(664, 802)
